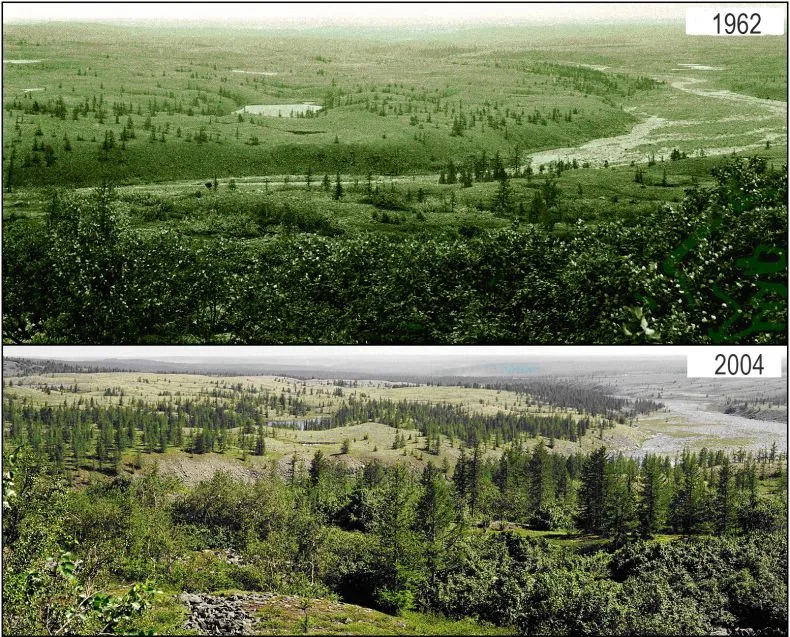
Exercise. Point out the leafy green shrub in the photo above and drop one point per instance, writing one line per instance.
(303, 218)
(735, 582)
(217, 505)
(395, 602)
(202, 572)
(486, 578)
(468, 231)
(566, 602)
(349, 566)
(551, 517)
(50, 598)
(387, 200)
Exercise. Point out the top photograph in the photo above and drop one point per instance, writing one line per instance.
(331, 173)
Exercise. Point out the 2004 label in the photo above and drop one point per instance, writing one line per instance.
(735, 362)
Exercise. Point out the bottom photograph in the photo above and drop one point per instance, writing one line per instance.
(390, 490)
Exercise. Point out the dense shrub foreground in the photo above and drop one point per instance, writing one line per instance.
(394, 540)
(713, 267)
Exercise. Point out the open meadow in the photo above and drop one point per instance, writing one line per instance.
(291, 423)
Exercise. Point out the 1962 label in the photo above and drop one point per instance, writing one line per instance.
(743, 23)
(738, 21)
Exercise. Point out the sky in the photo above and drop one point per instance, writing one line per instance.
(317, 354)
(379, 14)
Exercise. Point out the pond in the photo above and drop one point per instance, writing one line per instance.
(698, 67)
(303, 424)
(267, 73)
(280, 110)
(594, 67)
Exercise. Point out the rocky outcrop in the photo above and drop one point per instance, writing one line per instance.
(222, 615)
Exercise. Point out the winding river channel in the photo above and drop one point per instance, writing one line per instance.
(649, 136)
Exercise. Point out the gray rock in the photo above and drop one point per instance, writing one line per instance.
(214, 615)
(189, 598)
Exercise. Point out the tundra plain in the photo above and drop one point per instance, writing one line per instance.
(399, 173)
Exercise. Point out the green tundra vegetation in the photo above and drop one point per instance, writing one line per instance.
(709, 269)
(272, 186)
(512, 536)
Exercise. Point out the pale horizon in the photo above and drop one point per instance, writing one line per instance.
(356, 14)
(318, 354)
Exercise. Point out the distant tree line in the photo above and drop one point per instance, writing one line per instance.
(39, 366)
(456, 422)
(591, 400)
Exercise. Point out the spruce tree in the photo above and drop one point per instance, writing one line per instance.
(461, 483)
(397, 555)
(724, 508)
(541, 482)
(591, 494)
(475, 479)
(689, 506)
(503, 200)
(651, 509)
(434, 518)
(619, 516)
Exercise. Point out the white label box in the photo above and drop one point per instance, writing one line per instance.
(739, 21)
(735, 362)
